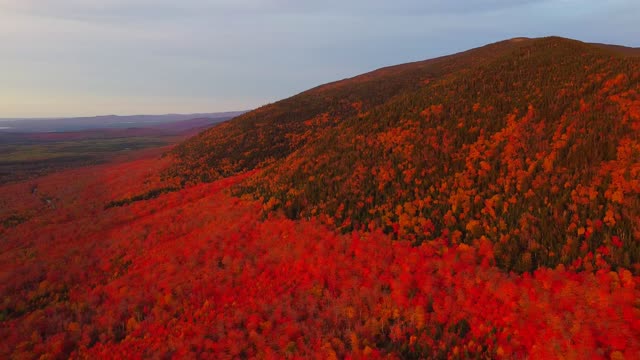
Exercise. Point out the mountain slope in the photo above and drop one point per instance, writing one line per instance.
(274, 131)
(620, 50)
(533, 145)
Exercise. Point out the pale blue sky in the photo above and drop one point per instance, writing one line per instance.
(92, 57)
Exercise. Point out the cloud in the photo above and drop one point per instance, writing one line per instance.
(145, 10)
(413, 7)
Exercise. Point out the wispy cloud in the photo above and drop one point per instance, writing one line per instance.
(150, 10)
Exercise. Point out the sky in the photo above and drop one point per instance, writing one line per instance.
(97, 57)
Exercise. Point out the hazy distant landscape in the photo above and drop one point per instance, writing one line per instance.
(108, 122)
(35, 147)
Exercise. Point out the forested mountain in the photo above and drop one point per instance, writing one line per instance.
(532, 144)
(484, 205)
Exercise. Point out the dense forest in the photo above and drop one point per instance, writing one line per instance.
(481, 205)
(201, 273)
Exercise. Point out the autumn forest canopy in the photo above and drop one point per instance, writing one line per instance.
(479, 205)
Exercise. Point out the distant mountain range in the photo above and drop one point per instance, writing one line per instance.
(106, 122)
